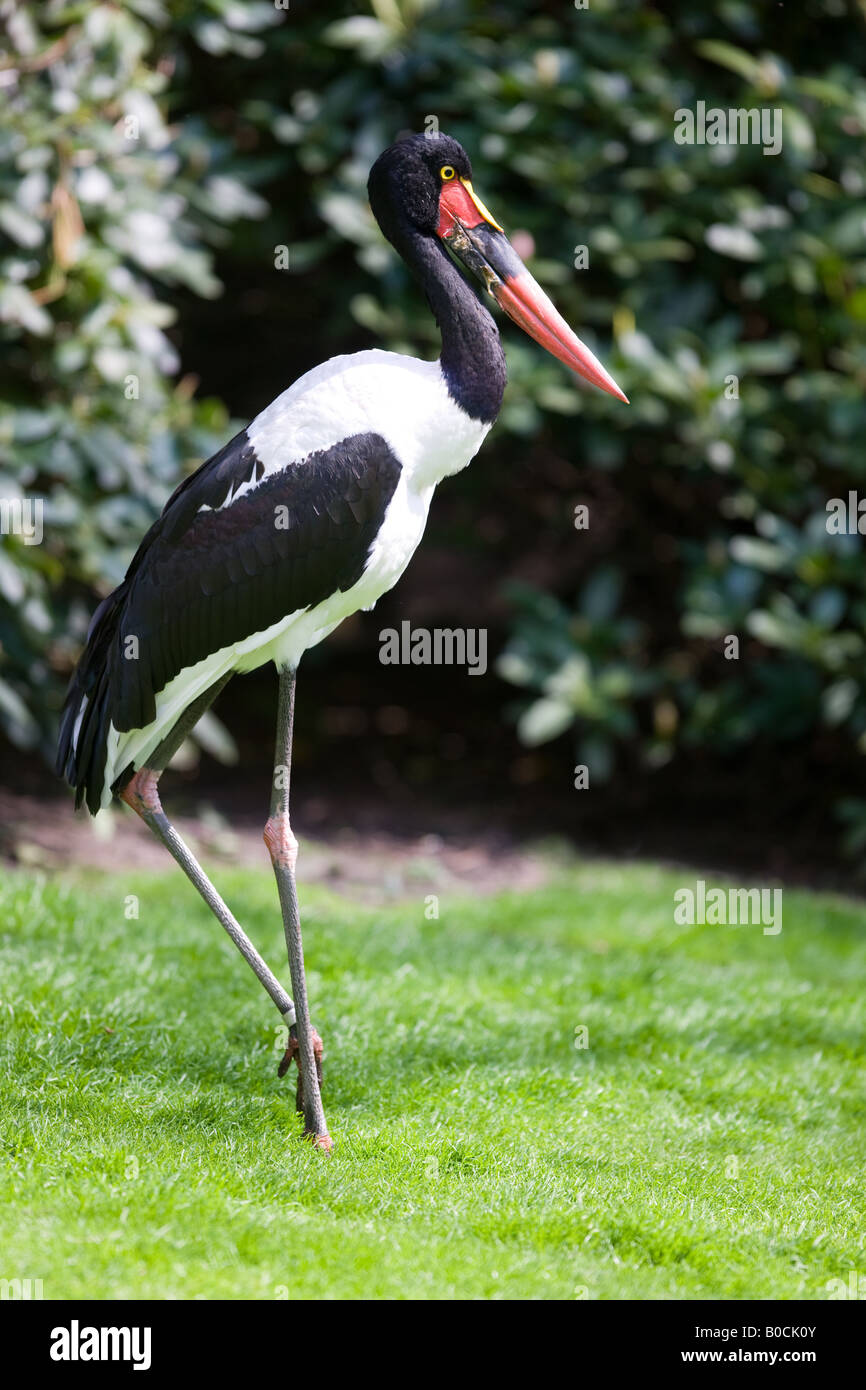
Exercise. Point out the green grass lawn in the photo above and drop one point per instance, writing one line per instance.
(707, 1143)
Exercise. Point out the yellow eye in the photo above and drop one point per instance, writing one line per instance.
(447, 172)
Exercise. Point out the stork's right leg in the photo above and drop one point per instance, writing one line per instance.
(305, 1045)
(142, 794)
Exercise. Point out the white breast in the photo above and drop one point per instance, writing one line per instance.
(405, 401)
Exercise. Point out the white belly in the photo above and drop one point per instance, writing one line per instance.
(396, 543)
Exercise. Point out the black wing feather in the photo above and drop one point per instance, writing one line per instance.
(204, 578)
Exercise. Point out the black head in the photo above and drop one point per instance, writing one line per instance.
(406, 182)
(421, 193)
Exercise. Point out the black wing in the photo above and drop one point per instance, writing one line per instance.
(202, 580)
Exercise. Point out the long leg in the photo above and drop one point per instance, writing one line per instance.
(142, 794)
(283, 848)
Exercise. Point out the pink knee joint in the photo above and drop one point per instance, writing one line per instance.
(281, 843)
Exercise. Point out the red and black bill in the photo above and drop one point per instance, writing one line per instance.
(470, 232)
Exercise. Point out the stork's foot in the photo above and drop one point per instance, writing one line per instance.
(293, 1053)
(323, 1142)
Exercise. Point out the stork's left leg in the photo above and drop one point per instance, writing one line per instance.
(304, 1042)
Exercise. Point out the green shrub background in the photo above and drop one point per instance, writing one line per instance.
(255, 127)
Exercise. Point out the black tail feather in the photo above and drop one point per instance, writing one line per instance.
(82, 760)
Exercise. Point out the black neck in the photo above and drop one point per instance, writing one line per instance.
(473, 363)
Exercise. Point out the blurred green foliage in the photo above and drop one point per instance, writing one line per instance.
(102, 205)
(731, 282)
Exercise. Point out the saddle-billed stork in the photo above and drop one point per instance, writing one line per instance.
(306, 516)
